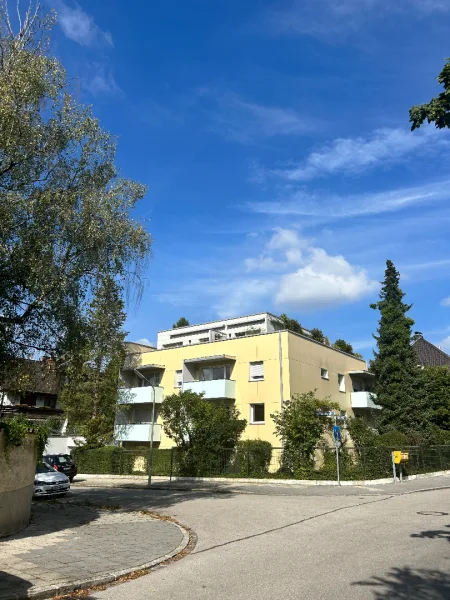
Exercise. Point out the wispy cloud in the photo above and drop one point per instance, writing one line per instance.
(100, 80)
(145, 342)
(445, 301)
(332, 206)
(426, 266)
(80, 27)
(339, 18)
(243, 121)
(354, 155)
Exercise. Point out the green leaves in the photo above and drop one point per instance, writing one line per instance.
(303, 422)
(397, 375)
(66, 214)
(436, 111)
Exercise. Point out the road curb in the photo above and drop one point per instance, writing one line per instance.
(187, 543)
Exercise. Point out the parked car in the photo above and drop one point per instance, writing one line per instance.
(63, 463)
(48, 482)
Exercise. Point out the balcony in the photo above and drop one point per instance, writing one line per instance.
(137, 432)
(142, 395)
(363, 400)
(217, 388)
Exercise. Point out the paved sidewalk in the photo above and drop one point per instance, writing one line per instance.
(68, 546)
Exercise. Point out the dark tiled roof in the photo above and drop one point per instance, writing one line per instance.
(430, 355)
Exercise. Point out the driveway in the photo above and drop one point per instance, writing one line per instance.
(317, 544)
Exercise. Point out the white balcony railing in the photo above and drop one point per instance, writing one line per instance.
(141, 395)
(217, 388)
(363, 400)
(137, 432)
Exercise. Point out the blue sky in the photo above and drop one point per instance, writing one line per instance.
(275, 142)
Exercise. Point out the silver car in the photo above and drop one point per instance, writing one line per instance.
(48, 482)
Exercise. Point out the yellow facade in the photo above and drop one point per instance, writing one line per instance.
(292, 364)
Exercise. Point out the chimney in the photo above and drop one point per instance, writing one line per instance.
(418, 335)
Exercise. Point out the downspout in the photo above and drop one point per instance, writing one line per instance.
(280, 358)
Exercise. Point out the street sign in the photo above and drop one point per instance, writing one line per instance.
(337, 433)
(405, 455)
(337, 444)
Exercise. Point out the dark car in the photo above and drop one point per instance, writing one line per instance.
(63, 463)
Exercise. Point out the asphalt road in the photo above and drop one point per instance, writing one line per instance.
(312, 547)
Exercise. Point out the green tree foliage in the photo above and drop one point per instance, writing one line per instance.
(436, 387)
(360, 432)
(64, 209)
(200, 429)
(302, 423)
(436, 111)
(397, 376)
(318, 336)
(182, 322)
(90, 395)
(291, 324)
(341, 344)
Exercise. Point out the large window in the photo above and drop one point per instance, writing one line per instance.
(150, 379)
(217, 372)
(256, 414)
(257, 370)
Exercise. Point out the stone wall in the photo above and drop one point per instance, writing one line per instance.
(16, 485)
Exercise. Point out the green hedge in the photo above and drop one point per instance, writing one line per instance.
(114, 460)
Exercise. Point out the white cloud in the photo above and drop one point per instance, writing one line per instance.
(323, 281)
(238, 297)
(79, 27)
(353, 155)
(337, 19)
(445, 344)
(445, 301)
(145, 341)
(335, 206)
(101, 82)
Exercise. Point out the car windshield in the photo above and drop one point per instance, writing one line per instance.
(43, 467)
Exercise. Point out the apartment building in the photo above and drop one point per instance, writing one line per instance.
(253, 365)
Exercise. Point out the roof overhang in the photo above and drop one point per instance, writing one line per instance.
(145, 367)
(210, 359)
(367, 374)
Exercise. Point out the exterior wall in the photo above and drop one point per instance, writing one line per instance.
(292, 364)
(62, 444)
(307, 358)
(16, 486)
(247, 349)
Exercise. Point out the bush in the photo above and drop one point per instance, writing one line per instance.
(253, 458)
(393, 439)
(114, 460)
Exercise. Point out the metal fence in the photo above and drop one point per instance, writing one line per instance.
(356, 463)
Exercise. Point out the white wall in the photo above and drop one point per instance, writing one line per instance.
(61, 444)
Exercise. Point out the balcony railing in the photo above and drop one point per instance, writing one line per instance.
(137, 432)
(363, 400)
(141, 395)
(217, 388)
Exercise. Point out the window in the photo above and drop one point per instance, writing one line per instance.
(324, 373)
(213, 373)
(341, 382)
(178, 379)
(256, 413)
(257, 370)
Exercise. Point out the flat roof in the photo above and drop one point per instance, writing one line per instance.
(219, 321)
(215, 358)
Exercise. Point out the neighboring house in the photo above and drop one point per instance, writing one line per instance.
(34, 394)
(428, 354)
(255, 372)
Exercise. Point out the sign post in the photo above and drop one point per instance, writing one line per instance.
(337, 444)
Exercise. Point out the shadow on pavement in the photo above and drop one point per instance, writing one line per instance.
(436, 534)
(137, 499)
(12, 586)
(409, 584)
(50, 517)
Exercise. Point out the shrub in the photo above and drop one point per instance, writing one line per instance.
(393, 439)
(253, 458)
